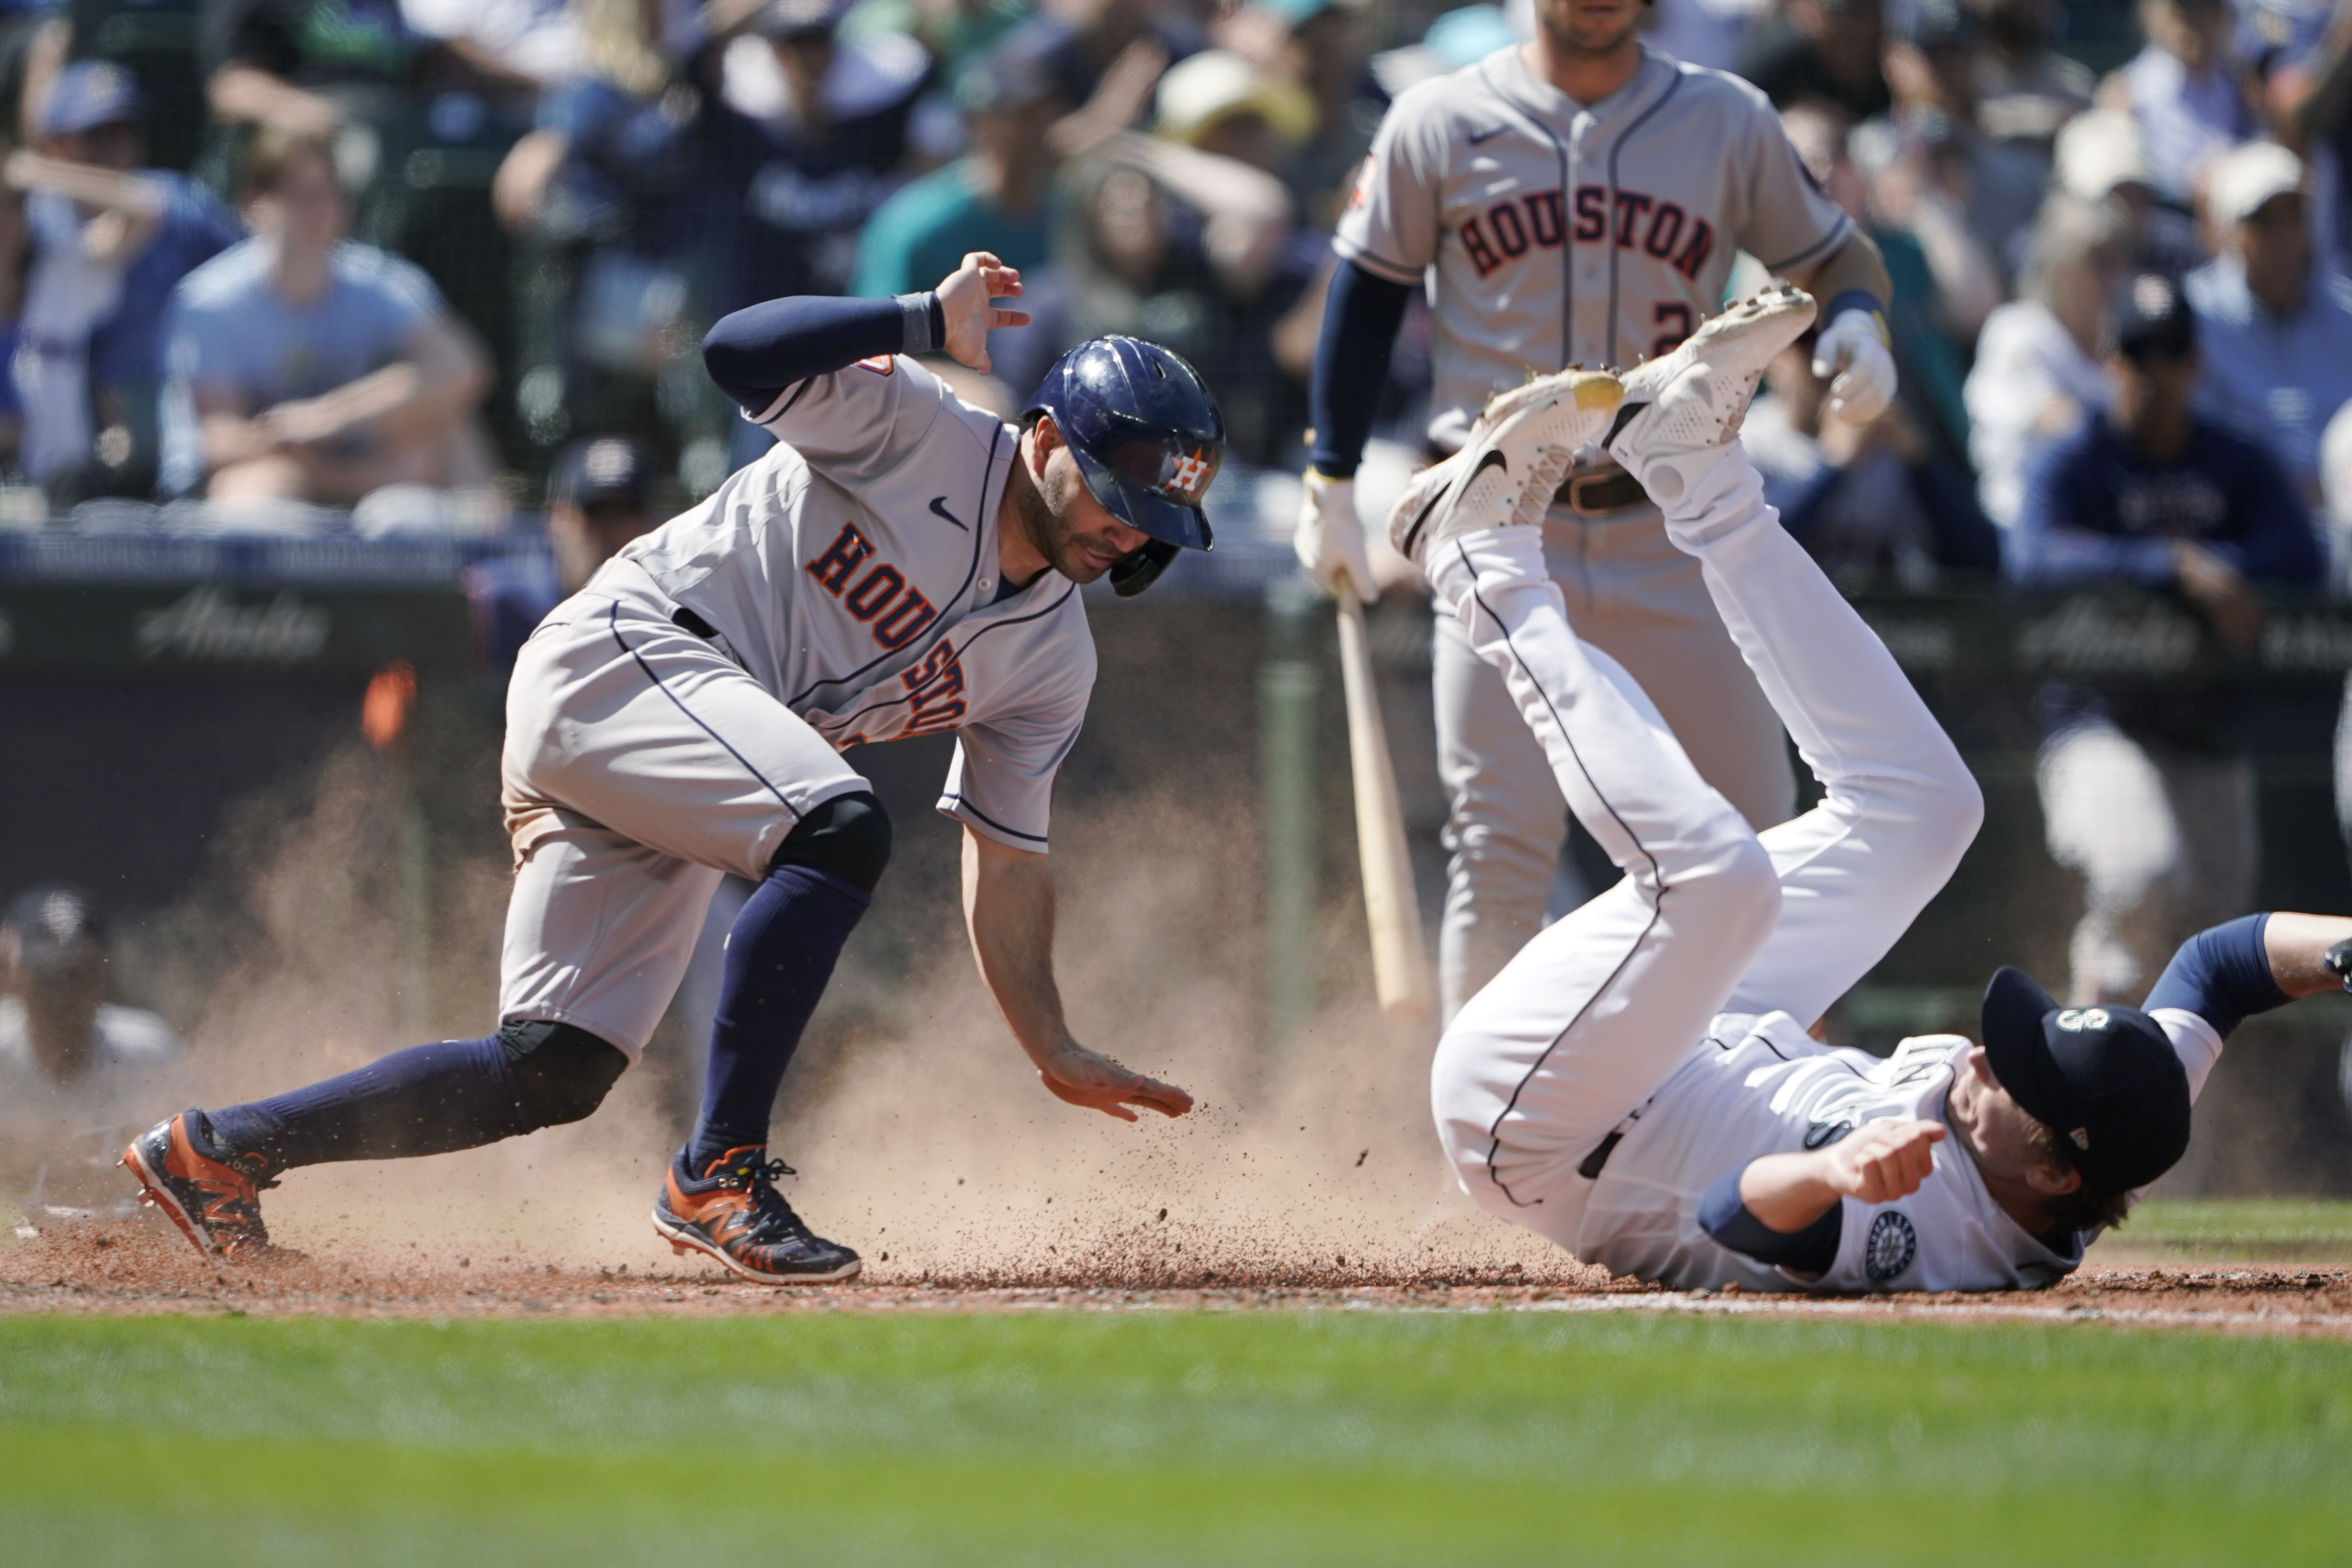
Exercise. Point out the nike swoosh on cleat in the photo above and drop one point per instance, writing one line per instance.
(1624, 417)
(939, 508)
(1494, 459)
(1477, 136)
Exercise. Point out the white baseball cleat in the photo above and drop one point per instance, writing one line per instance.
(1682, 412)
(1518, 452)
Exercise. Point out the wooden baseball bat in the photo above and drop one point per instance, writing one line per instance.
(1399, 967)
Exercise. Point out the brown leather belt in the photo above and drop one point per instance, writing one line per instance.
(1590, 495)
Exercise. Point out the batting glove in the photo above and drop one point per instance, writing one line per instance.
(1853, 349)
(1330, 541)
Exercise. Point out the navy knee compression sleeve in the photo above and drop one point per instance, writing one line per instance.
(780, 954)
(429, 1100)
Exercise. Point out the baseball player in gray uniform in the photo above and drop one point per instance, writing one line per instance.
(900, 563)
(1639, 1084)
(1576, 200)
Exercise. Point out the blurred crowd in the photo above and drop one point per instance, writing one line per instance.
(393, 258)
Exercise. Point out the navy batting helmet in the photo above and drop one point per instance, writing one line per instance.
(1147, 437)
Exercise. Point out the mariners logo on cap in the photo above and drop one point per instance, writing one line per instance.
(1891, 1245)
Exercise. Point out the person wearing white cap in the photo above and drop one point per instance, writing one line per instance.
(2100, 156)
(2277, 325)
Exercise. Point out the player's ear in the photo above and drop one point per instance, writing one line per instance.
(1046, 439)
(2053, 1180)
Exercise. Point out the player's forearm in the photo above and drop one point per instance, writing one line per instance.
(2295, 945)
(1351, 365)
(756, 354)
(84, 183)
(1788, 1191)
(1008, 903)
(247, 95)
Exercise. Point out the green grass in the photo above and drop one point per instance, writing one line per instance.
(1340, 1437)
(2280, 1229)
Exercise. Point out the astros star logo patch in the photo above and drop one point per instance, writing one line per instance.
(1190, 472)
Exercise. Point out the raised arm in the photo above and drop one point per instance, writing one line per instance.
(760, 353)
(1008, 906)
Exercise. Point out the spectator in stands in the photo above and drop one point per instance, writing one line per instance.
(993, 198)
(1873, 504)
(74, 1068)
(2185, 89)
(2101, 161)
(1197, 248)
(1079, 42)
(2147, 789)
(2275, 324)
(110, 241)
(954, 32)
(819, 132)
(2037, 373)
(16, 262)
(2026, 91)
(155, 42)
(599, 497)
(1934, 74)
(1319, 45)
(1823, 51)
(305, 367)
(618, 177)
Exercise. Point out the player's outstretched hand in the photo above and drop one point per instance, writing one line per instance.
(1092, 1079)
(1883, 1160)
(968, 298)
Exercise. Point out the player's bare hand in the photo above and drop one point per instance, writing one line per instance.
(968, 299)
(1883, 1160)
(2220, 594)
(1092, 1079)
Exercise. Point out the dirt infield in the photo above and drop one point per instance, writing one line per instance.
(141, 1267)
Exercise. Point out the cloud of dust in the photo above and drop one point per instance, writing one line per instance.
(927, 1143)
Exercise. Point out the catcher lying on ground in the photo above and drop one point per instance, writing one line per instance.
(1639, 1084)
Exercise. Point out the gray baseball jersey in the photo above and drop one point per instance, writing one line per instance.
(851, 571)
(1553, 233)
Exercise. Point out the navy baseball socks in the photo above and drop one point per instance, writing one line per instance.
(720, 1198)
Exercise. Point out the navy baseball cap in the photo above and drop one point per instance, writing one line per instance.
(2105, 1080)
(2150, 317)
(89, 94)
(610, 469)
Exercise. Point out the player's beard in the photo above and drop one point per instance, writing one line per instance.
(1569, 37)
(1044, 507)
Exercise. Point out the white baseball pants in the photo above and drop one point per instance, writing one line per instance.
(641, 764)
(1630, 593)
(1598, 1010)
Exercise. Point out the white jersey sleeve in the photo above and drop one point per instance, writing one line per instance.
(1393, 224)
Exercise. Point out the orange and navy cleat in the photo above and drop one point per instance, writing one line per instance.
(215, 1201)
(733, 1213)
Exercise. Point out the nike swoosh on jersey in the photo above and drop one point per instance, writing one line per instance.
(939, 508)
(1486, 136)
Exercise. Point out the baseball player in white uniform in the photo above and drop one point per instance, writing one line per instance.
(900, 563)
(1639, 1084)
(1576, 200)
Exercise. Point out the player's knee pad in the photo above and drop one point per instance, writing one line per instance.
(561, 1071)
(849, 837)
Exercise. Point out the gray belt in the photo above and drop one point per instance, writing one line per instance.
(1601, 491)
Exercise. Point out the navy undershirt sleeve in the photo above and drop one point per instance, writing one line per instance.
(756, 354)
(2222, 974)
(1351, 365)
(1808, 1251)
